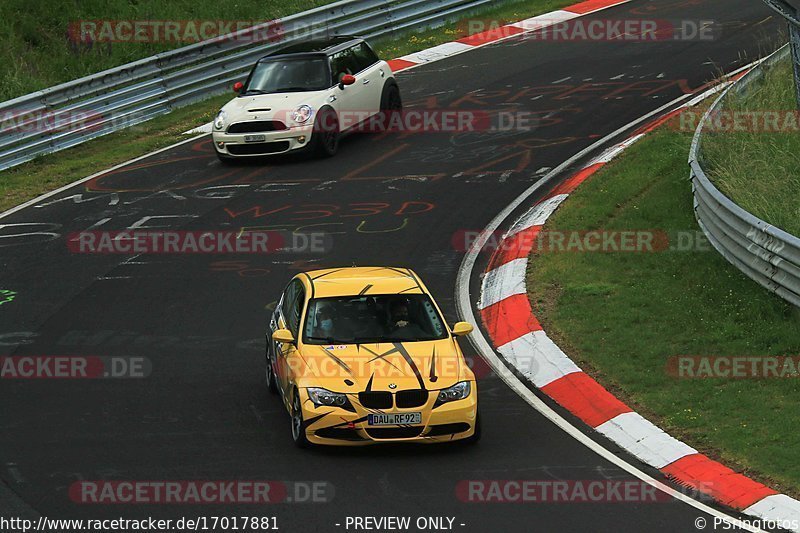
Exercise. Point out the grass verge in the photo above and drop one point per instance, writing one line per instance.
(760, 170)
(51, 171)
(621, 316)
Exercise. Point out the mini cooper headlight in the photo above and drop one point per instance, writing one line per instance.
(459, 391)
(302, 114)
(219, 121)
(325, 397)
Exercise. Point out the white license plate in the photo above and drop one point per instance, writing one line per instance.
(395, 419)
(255, 138)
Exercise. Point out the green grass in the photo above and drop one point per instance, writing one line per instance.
(48, 172)
(757, 170)
(38, 53)
(622, 315)
(37, 50)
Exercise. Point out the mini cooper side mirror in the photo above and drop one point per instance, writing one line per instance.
(462, 328)
(237, 87)
(283, 336)
(347, 79)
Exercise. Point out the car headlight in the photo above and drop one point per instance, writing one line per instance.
(219, 121)
(302, 114)
(324, 397)
(459, 391)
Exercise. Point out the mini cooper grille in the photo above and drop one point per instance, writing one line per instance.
(256, 126)
(411, 398)
(258, 148)
(395, 433)
(375, 399)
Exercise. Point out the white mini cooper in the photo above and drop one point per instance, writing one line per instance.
(305, 97)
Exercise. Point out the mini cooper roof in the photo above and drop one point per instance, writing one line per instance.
(316, 47)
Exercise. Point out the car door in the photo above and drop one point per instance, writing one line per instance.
(291, 311)
(371, 76)
(350, 98)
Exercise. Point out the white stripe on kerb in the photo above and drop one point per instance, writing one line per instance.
(780, 508)
(538, 358)
(537, 215)
(437, 52)
(543, 21)
(504, 281)
(643, 439)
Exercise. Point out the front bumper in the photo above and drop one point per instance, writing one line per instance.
(275, 142)
(339, 427)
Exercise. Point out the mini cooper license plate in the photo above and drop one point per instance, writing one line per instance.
(255, 138)
(395, 419)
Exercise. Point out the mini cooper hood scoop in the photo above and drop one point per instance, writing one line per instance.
(407, 365)
(244, 107)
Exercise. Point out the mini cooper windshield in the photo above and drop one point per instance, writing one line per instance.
(288, 76)
(372, 319)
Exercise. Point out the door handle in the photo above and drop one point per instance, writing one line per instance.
(365, 82)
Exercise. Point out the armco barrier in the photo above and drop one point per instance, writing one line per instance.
(763, 252)
(71, 113)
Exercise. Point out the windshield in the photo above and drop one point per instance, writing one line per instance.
(372, 319)
(288, 75)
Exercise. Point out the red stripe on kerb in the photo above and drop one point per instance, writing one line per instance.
(585, 398)
(591, 5)
(399, 64)
(569, 185)
(663, 120)
(509, 319)
(717, 480)
(489, 36)
(516, 246)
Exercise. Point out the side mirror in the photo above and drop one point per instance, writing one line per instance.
(462, 328)
(283, 336)
(347, 79)
(237, 87)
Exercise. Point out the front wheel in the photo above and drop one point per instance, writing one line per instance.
(325, 135)
(391, 102)
(298, 425)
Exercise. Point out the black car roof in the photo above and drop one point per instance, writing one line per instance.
(316, 47)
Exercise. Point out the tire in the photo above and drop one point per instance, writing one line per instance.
(298, 424)
(476, 437)
(272, 384)
(325, 135)
(391, 102)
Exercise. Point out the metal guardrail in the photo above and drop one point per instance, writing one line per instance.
(74, 112)
(792, 16)
(766, 254)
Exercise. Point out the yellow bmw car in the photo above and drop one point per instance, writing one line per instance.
(362, 355)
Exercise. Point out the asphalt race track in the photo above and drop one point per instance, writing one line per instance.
(203, 412)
